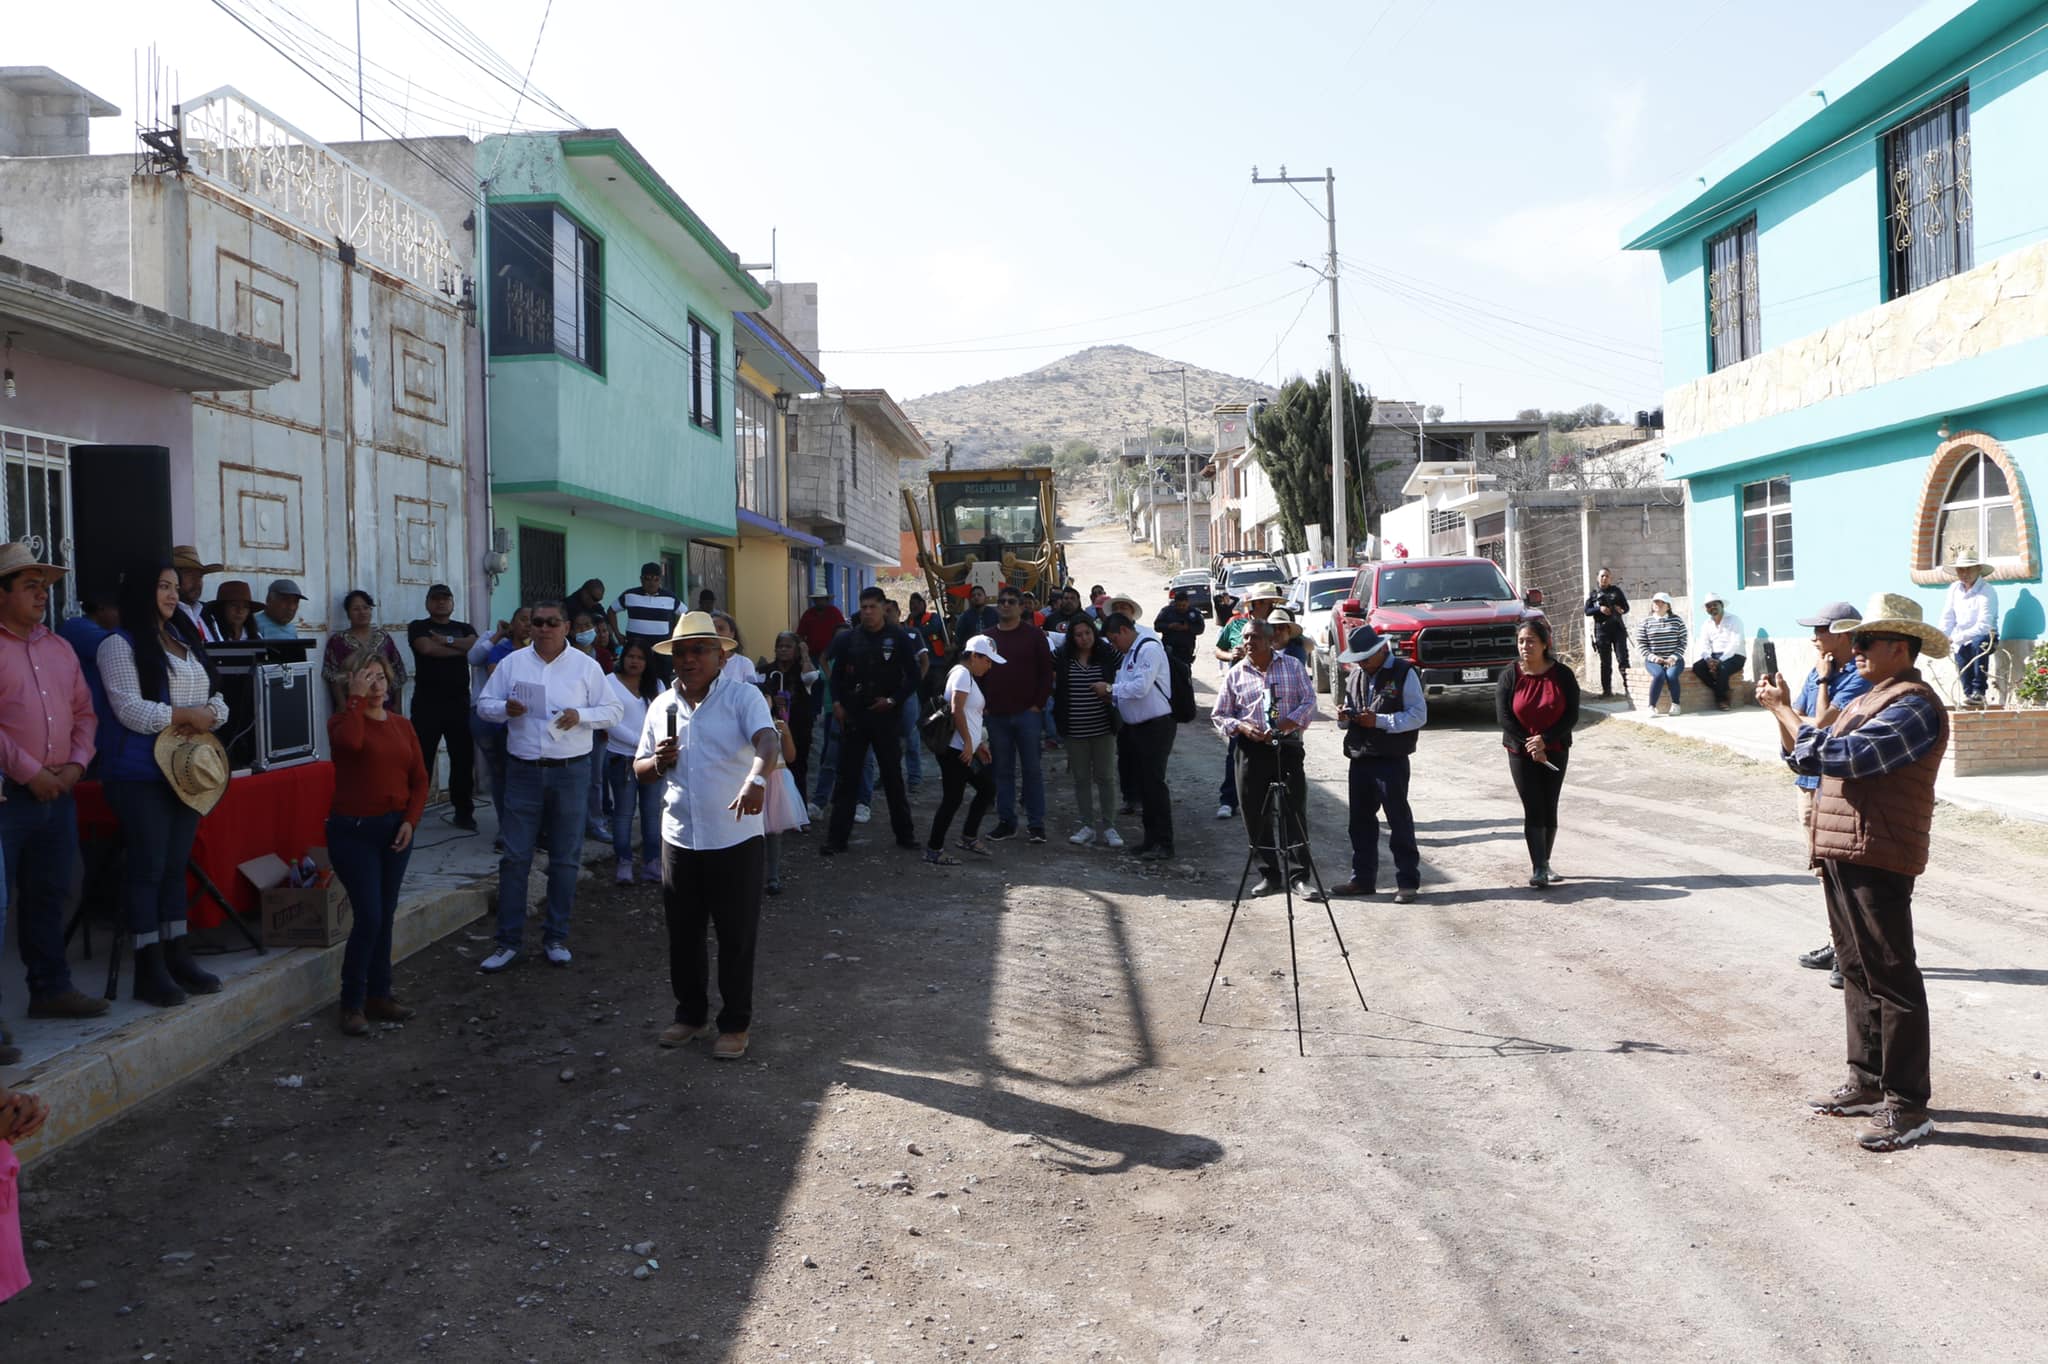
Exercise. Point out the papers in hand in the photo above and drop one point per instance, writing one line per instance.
(533, 696)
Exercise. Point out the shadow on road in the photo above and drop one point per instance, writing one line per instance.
(1443, 1042)
(1988, 975)
(1945, 1133)
(1079, 1136)
(1576, 889)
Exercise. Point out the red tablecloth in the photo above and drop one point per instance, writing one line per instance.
(282, 811)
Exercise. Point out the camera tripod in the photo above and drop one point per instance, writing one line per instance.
(1290, 843)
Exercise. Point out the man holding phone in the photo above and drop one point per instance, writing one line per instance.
(1382, 709)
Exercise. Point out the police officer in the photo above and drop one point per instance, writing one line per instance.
(1383, 707)
(1606, 610)
(874, 675)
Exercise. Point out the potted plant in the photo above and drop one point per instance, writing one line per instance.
(2032, 686)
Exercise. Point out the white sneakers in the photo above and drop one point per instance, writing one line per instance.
(1225, 812)
(624, 875)
(861, 814)
(817, 812)
(1112, 839)
(1082, 837)
(497, 961)
(558, 955)
(1674, 709)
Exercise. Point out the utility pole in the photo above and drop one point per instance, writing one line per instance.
(1340, 391)
(1187, 471)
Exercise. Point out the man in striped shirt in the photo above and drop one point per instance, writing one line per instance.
(650, 615)
(1266, 702)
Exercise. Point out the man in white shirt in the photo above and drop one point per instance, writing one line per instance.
(711, 743)
(192, 573)
(1721, 645)
(1143, 692)
(1969, 617)
(552, 699)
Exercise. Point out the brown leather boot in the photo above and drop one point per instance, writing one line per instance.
(388, 1011)
(353, 1023)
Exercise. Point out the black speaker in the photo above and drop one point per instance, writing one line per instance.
(120, 512)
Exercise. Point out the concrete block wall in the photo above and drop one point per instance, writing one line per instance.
(1549, 555)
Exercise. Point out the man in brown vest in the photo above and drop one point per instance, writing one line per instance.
(1876, 759)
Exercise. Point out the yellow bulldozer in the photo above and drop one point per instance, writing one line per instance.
(993, 527)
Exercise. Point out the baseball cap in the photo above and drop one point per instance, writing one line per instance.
(1664, 597)
(986, 647)
(1829, 614)
(440, 590)
(285, 587)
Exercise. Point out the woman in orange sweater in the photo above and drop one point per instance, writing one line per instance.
(380, 789)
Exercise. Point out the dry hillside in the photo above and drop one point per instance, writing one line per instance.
(1098, 395)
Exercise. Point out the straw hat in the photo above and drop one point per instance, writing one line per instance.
(1125, 603)
(1282, 616)
(694, 625)
(1891, 613)
(1968, 559)
(14, 558)
(195, 765)
(186, 557)
(1263, 592)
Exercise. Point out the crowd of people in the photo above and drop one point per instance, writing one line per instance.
(589, 729)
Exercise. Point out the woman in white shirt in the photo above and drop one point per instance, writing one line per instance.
(156, 679)
(633, 684)
(966, 760)
(738, 666)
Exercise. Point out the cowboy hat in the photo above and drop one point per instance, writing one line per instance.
(18, 558)
(1713, 599)
(1891, 613)
(1263, 592)
(1126, 603)
(1362, 643)
(1968, 559)
(195, 765)
(233, 592)
(1282, 616)
(185, 558)
(694, 625)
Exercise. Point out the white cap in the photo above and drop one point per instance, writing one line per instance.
(986, 647)
(1664, 597)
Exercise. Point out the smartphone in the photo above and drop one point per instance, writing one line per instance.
(671, 722)
(1770, 657)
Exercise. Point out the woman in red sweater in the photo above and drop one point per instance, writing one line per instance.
(1537, 705)
(380, 789)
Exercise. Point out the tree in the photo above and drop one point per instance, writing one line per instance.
(1292, 435)
(1436, 412)
(1169, 435)
(1038, 452)
(1529, 414)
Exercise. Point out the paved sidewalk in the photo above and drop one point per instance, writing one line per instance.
(1752, 733)
(95, 1070)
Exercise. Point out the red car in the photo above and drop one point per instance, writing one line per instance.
(1454, 619)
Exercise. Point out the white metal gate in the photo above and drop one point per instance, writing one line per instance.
(35, 506)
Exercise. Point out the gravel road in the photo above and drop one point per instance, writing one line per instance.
(981, 1120)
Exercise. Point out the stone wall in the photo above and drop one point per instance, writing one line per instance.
(1994, 305)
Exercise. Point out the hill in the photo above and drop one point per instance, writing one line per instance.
(1098, 395)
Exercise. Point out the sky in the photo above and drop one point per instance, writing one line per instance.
(981, 189)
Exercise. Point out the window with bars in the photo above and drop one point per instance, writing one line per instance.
(703, 377)
(1767, 533)
(1928, 195)
(543, 564)
(548, 291)
(1735, 324)
(35, 505)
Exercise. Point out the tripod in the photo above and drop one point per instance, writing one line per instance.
(1285, 826)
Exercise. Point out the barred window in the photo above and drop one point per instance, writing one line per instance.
(1767, 533)
(1927, 195)
(1735, 325)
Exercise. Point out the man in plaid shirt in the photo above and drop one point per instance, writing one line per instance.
(1266, 702)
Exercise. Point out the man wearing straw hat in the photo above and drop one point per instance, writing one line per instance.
(1260, 601)
(1969, 617)
(1877, 760)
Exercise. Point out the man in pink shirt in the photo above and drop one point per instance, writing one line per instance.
(46, 742)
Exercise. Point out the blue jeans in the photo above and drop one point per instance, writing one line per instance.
(629, 794)
(1663, 677)
(1050, 729)
(828, 766)
(157, 830)
(1973, 663)
(490, 741)
(359, 846)
(600, 797)
(1013, 740)
(913, 769)
(39, 844)
(556, 799)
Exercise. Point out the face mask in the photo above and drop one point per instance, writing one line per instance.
(586, 638)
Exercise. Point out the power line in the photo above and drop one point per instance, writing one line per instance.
(1199, 323)
(1420, 298)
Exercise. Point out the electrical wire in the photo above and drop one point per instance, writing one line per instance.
(1432, 286)
(1203, 323)
(1626, 365)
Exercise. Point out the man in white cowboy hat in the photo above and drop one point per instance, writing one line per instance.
(552, 699)
(192, 571)
(1259, 603)
(47, 728)
(1969, 617)
(1383, 707)
(1721, 648)
(1877, 760)
(712, 744)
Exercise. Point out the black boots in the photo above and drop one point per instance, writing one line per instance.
(153, 983)
(178, 961)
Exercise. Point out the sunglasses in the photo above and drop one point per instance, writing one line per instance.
(546, 622)
(1863, 639)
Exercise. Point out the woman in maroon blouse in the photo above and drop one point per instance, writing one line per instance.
(1538, 704)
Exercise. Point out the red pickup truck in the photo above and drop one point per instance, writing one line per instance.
(1454, 619)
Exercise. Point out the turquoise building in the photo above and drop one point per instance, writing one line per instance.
(611, 367)
(1855, 303)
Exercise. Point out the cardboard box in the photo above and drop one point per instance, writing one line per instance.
(313, 916)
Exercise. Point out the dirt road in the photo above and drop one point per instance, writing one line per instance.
(980, 1119)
